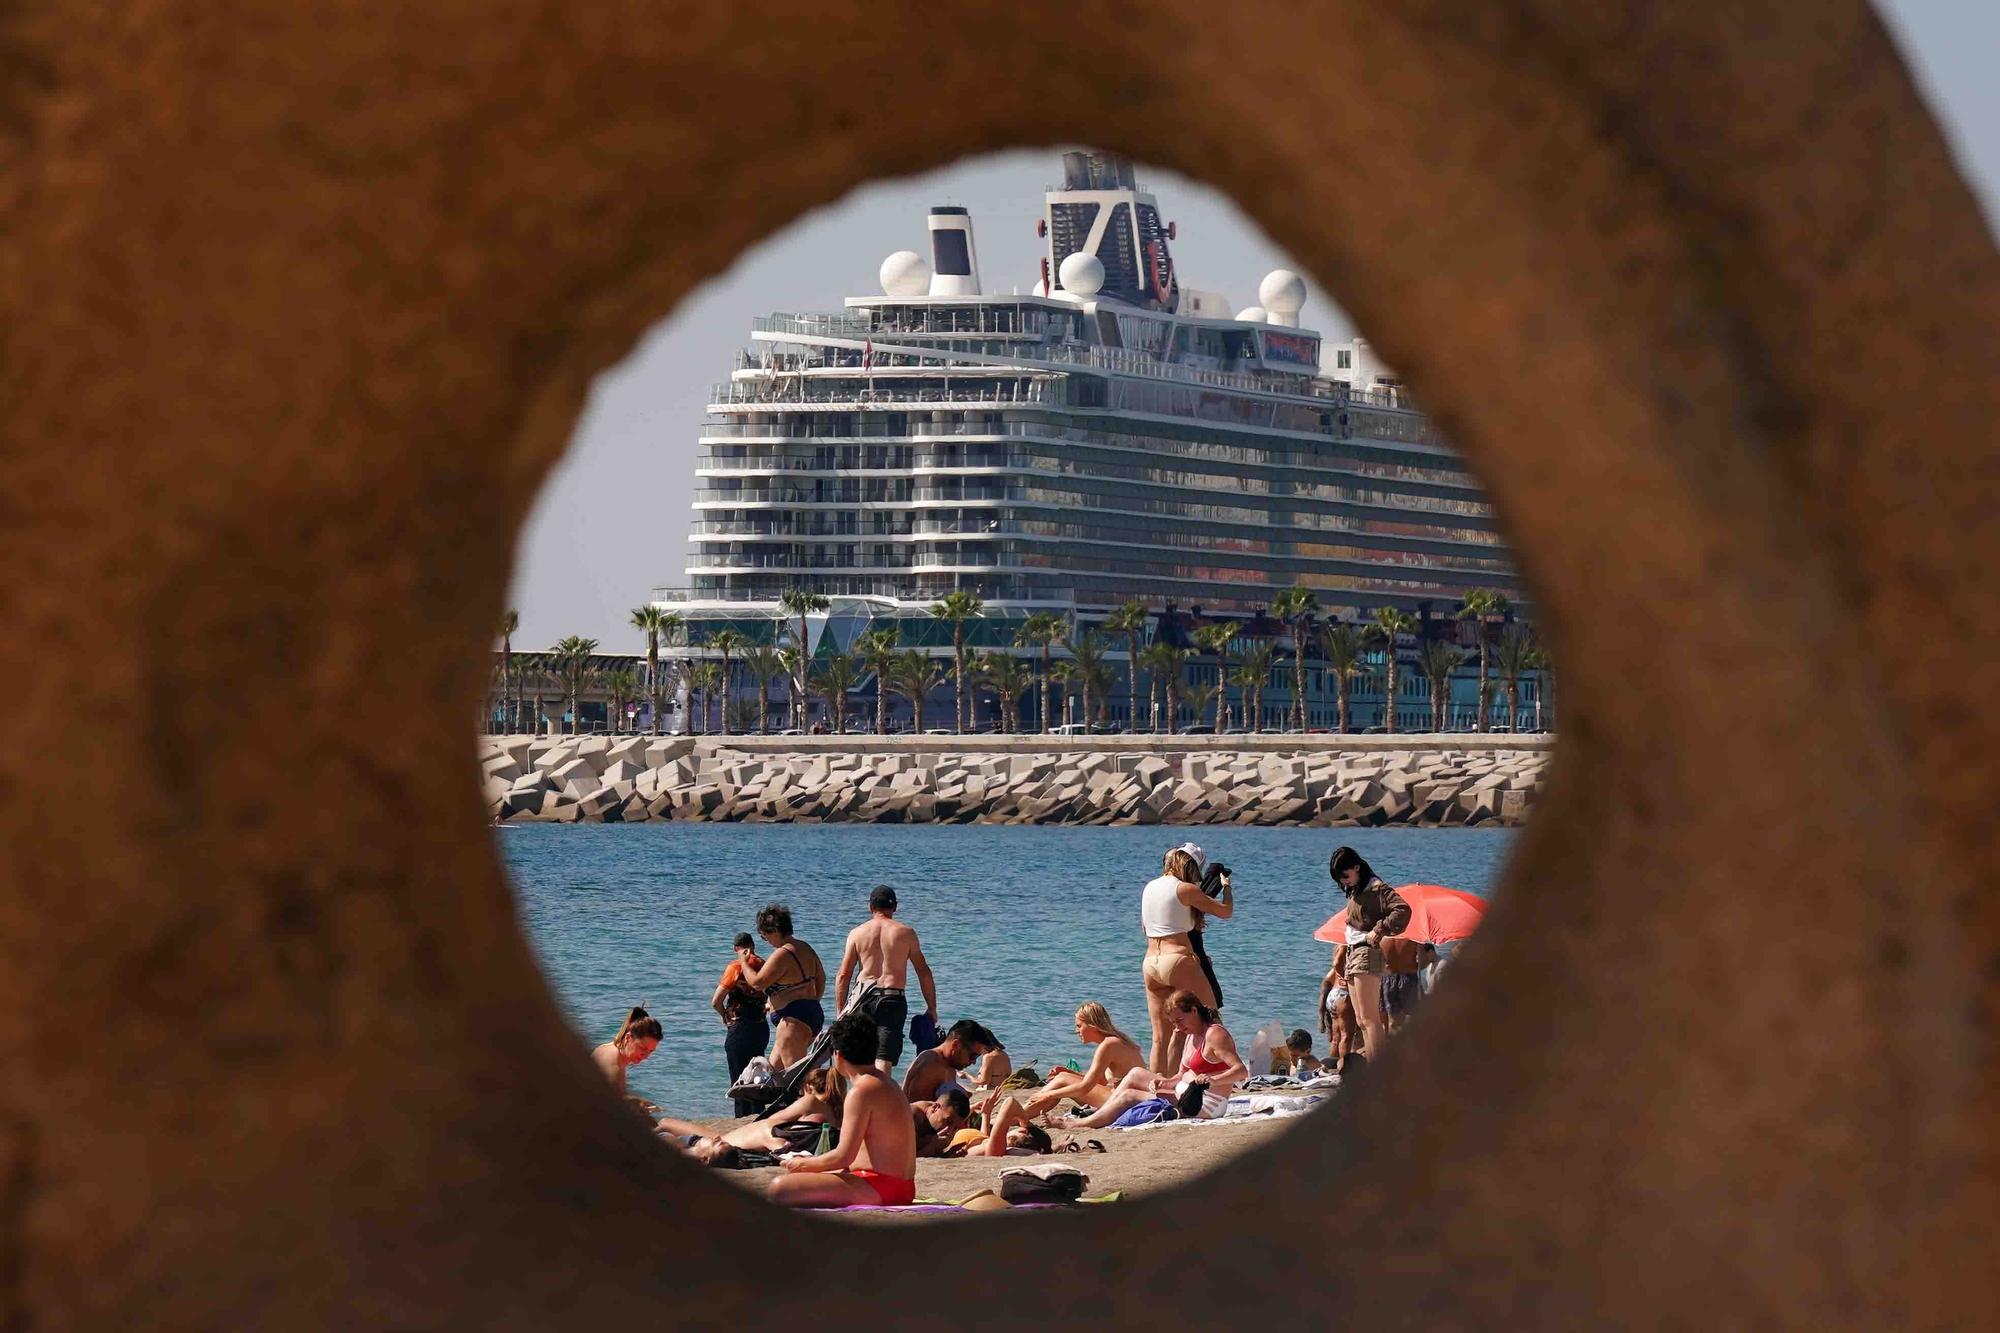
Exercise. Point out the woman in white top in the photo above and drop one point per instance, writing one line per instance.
(1166, 909)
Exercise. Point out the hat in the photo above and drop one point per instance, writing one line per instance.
(1194, 851)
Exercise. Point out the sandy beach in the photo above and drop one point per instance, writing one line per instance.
(1134, 1163)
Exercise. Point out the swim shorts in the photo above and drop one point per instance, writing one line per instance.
(893, 1191)
(889, 1010)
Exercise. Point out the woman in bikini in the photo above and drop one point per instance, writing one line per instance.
(1117, 1055)
(1167, 908)
(637, 1039)
(1209, 1071)
(792, 979)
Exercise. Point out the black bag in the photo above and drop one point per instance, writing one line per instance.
(1189, 1101)
(1042, 1184)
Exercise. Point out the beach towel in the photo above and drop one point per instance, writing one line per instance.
(1146, 1113)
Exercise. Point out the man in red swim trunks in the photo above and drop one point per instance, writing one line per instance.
(876, 1162)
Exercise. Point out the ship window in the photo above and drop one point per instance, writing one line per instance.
(1343, 360)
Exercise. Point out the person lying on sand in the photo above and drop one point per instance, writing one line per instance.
(1210, 1069)
(937, 1122)
(774, 1135)
(1008, 1134)
(1116, 1056)
(876, 1161)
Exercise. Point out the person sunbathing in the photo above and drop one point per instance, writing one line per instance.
(1009, 1133)
(938, 1122)
(1210, 1069)
(1116, 1056)
(816, 1107)
(875, 1162)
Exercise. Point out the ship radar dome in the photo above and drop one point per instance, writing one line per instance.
(1041, 287)
(1252, 315)
(1282, 292)
(1082, 274)
(905, 274)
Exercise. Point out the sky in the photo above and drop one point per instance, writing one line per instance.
(612, 520)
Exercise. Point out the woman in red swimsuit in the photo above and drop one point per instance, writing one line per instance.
(1210, 1069)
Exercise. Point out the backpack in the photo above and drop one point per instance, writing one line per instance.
(1042, 1184)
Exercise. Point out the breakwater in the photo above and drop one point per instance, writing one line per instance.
(1427, 781)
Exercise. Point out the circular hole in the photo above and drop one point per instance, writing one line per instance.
(1020, 923)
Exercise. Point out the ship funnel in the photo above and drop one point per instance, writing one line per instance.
(954, 259)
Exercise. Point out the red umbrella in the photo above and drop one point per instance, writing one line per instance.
(1437, 914)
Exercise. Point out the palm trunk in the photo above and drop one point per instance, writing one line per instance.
(958, 700)
(801, 706)
(1485, 689)
(1341, 686)
(763, 705)
(881, 703)
(653, 675)
(725, 694)
(1513, 702)
(1389, 707)
(1299, 676)
(1132, 679)
(1048, 688)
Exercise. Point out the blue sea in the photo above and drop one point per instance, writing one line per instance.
(1020, 923)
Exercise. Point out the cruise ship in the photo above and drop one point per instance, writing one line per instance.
(1109, 435)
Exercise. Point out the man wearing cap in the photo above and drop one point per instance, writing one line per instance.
(883, 950)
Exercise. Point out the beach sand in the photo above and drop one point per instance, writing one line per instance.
(1134, 1163)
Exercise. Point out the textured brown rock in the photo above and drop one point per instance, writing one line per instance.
(300, 306)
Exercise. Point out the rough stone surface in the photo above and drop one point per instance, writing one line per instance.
(301, 304)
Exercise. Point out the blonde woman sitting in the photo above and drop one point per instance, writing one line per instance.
(1117, 1055)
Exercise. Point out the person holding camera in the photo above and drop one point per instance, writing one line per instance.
(1169, 905)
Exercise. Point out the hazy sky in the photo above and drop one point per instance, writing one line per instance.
(612, 522)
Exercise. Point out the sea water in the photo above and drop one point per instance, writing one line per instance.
(1020, 923)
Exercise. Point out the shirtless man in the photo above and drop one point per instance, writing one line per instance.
(939, 1121)
(882, 950)
(876, 1162)
(940, 1066)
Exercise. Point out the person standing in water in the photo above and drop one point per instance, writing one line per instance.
(793, 979)
(1167, 908)
(883, 951)
(1374, 912)
(638, 1037)
(746, 1032)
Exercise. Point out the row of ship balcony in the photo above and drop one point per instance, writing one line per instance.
(919, 592)
(932, 562)
(854, 494)
(904, 528)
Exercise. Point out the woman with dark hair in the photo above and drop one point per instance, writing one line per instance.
(745, 1031)
(1374, 912)
(638, 1037)
(793, 979)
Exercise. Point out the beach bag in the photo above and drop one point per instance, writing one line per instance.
(924, 1033)
(1146, 1113)
(1042, 1184)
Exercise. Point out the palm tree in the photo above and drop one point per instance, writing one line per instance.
(1515, 657)
(509, 622)
(622, 685)
(1163, 664)
(1087, 653)
(915, 676)
(800, 603)
(713, 684)
(1346, 648)
(1296, 607)
(1008, 676)
(1544, 667)
(877, 651)
(798, 706)
(1436, 660)
(656, 622)
(1215, 639)
(691, 681)
(1253, 668)
(765, 665)
(1481, 604)
(1043, 629)
(1064, 674)
(958, 607)
(572, 661)
(744, 713)
(1130, 620)
(728, 643)
(1198, 696)
(1389, 624)
(835, 678)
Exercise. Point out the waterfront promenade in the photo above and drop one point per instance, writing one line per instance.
(1321, 780)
